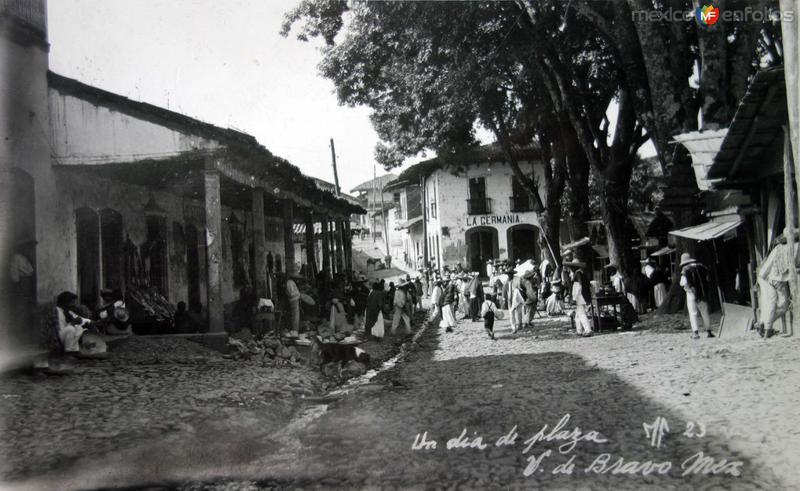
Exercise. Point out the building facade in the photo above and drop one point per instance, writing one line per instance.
(476, 209)
(107, 192)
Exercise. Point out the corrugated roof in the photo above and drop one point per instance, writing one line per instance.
(709, 230)
(755, 127)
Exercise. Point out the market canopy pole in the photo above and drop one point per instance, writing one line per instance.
(340, 238)
(335, 172)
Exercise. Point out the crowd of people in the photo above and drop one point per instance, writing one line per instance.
(521, 290)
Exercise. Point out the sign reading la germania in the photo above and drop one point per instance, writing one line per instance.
(473, 221)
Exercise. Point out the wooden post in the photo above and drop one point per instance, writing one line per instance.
(213, 215)
(332, 245)
(288, 237)
(340, 264)
(348, 249)
(259, 244)
(326, 252)
(791, 219)
(310, 255)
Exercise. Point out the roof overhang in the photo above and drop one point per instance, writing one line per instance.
(713, 229)
(756, 128)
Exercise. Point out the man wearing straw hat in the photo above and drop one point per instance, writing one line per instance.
(694, 280)
(449, 302)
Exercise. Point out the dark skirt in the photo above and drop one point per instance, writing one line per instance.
(474, 308)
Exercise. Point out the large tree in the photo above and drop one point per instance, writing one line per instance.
(677, 69)
(433, 71)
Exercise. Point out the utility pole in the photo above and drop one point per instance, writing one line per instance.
(339, 225)
(424, 223)
(335, 172)
(374, 198)
(383, 219)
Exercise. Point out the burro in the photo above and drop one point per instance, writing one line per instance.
(603, 464)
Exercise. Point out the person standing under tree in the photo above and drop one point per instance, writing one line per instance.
(694, 280)
(581, 295)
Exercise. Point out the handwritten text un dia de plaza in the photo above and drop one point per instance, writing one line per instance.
(568, 439)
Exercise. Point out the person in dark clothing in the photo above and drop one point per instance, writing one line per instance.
(374, 306)
(360, 294)
(475, 290)
(390, 297)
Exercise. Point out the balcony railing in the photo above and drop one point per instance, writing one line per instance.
(520, 203)
(479, 206)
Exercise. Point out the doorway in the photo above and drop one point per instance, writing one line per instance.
(482, 245)
(111, 246)
(87, 230)
(523, 242)
(193, 268)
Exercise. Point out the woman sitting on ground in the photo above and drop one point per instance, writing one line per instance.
(71, 326)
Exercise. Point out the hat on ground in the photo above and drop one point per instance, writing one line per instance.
(686, 259)
(121, 314)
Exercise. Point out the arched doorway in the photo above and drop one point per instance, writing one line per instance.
(482, 245)
(523, 242)
(87, 231)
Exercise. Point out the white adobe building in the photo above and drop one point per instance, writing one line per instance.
(475, 209)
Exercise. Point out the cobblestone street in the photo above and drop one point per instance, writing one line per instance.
(219, 423)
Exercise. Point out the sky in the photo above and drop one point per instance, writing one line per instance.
(223, 62)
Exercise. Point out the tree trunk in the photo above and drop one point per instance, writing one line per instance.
(681, 203)
(615, 183)
(578, 199)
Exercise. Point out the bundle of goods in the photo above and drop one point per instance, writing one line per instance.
(148, 306)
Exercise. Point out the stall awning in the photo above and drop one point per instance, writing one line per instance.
(409, 223)
(601, 250)
(576, 244)
(663, 251)
(703, 147)
(709, 230)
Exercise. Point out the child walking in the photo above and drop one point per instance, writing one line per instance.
(490, 312)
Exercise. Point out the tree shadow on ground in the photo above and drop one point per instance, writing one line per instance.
(366, 440)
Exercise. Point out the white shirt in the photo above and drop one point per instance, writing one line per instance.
(436, 295)
(616, 282)
(399, 298)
